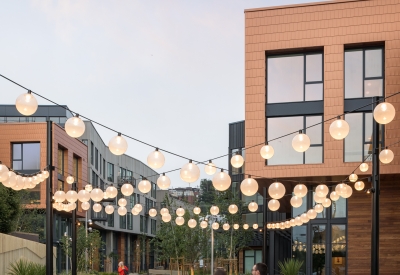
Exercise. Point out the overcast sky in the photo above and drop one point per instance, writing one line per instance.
(170, 73)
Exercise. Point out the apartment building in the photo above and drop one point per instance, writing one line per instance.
(304, 64)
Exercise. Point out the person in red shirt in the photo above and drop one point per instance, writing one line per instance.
(122, 269)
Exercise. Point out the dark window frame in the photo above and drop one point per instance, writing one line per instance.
(28, 171)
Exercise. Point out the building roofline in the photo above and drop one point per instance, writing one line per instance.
(302, 5)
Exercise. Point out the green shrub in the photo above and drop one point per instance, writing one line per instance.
(290, 266)
(24, 267)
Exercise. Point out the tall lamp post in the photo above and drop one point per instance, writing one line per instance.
(49, 197)
(74, 236)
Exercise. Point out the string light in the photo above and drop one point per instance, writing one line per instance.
(59, 196)
(215, 225)
(296, 202)
(300, 190)
(70, 180)
(249, 187)
(156, 159)
(273, 205)
(138, 207)
(26, 104)
(88, 187)
(192, 223)
(179, 221)
(164, 211)
(386, 156)
(359, 185)
(339, 129)
(236, 226)
(253, 206)
(210, 168)
(322, 190)
(245, 226)
(75, 127)
(203, 224)
(384, 113)
(109, 209)
(144, 186)
(152, 212)
(276, 190)
(180, 212)
(197, 210)
(166, 217)
(301, 142)
(85, 205)
(221, 181)
(226, 226)
(255, 226)
(118, 145)
(112, 192)
(267, 151)
(71, 196)
(97, 207)
(237, 160)
(364, 167)
(190, 172)
(353, 177)
(326, 203)
(233, 209)
(214, 210)
(334, 196)
(122, 210)
(122, 202)
(96, 194)
(163, 182)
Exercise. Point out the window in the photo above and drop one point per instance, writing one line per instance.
(104, 168)
(60, 185)
(284, 153)
(306, 78)
(130, 220)
(122, 222)
(141, 223)
(132, 201)
(318, 248)
(299, 244)
(145, 220)
(358, 143)
(75, 168)
(100, 166)
(96, 159)
(339, 249)
(110, 220)
(153, 226)
(364, 71)
(60, 161)
(91, 153)
(253, 218)
(153, 190)
(95, 177)
(110, 170)
(26, 157)
(251, 257)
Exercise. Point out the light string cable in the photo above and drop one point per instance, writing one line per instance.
(178, 155)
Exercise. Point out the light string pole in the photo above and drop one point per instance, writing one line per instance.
(49, 203)
(375, 196)
(74, 236)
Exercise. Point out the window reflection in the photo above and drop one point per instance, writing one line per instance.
(318, 249)
(299, 245)
(373, 63)
(373, 87)
(339, 249)
(353, 77)
(321, 215)
(339, 208)
(314, 92)
(313, 67)
(353, 142)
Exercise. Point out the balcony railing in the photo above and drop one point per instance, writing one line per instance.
(122, 180)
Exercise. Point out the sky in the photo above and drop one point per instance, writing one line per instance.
(170, 73)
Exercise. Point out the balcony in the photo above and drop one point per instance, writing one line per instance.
(122, 180)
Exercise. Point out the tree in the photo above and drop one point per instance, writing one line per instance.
(207, 195)
(10, 209)
(92, 243)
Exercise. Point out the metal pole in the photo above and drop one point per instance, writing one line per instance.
(49, 196)
(375, 196)
(212, 250)
(73, 256)
(265, 209)
(66, 254)
(86, 256)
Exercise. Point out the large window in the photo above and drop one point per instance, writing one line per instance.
(294, 78)
(75, 168)
(153, 226)
(96, 159)
(110, 171)
(26, 157)
(60, 161)
(122, 222)
(130, 220)
(110, 220)
(284, 153)
(364, 73)
(251, 257)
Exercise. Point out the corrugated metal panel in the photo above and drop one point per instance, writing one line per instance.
(236, 135)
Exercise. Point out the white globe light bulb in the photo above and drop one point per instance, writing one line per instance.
(276, 190)
(359, 185)
(221, 181)
(83, 196)
(70, 180)
(214, 210)
(26, 104)
(334, 196)
(190, 172)
(156, 159)
(74, 127)
(88, 187)
(312, 214)
(122, 202)
(249, 187)
(339, 129)
(126, 189)
(180, 212)
(71, 196)
(144, 186)
(118, 145)
(134, 212)
(109, 209)
(353, 177)
(318, 208)
(138, 207)
(267, 151)
(233, 209)
(296, 202)
(292, 223)
(3, 173)
(273, 205)
(225, 226)
(192, 223)
(96, 195)
(318, 199)
(45, 174)
(179, 221)
(210, 168)
(203, 224)
(215, 225)
(326, 203)
(97, 207)
(364, 167)
(298, 221)
(237, 161)
(59, 196)
(255, 226)
(322, 190)
(85, 205)
(245, 226)
(301, 142)
(164, 211)
(163, 182)
(253, 206)
(122, 211)
(236, 226)
(196, 210)
(341, 189)
(166, 218)
(113, 192)
(384, 113)
(348, 193)
(386, 156)
(152, 212)
(304, 218)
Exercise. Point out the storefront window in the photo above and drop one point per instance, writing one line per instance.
(318, 249)
(299, 245)
(339, 255)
